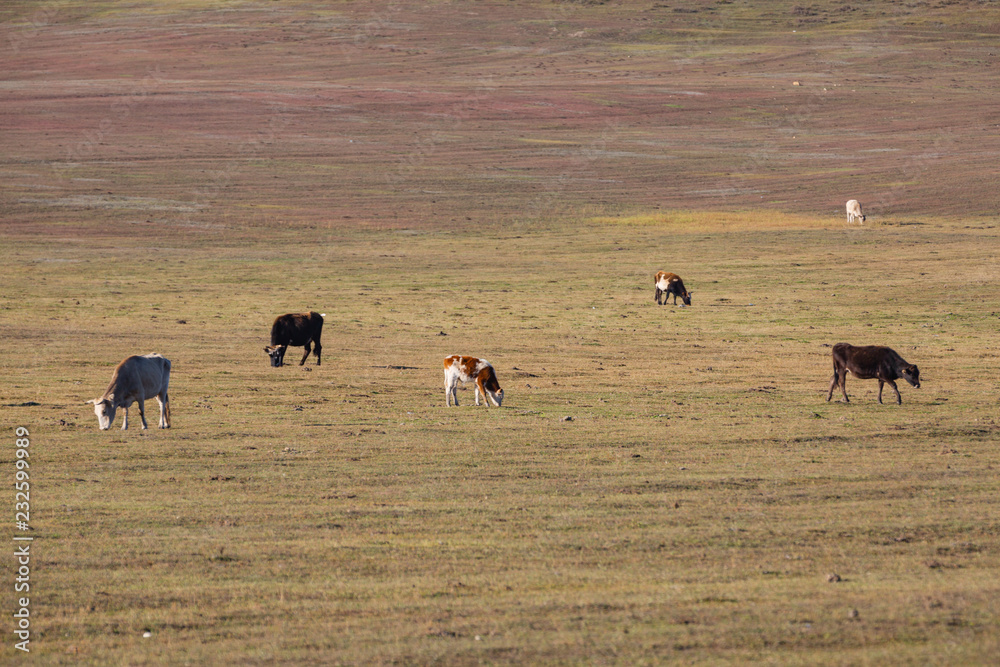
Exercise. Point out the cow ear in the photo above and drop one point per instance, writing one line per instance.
(267, 350)
(92, 401)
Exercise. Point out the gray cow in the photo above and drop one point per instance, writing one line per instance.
(135, 379)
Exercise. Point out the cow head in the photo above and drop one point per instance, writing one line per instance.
(686, 298)
(911, 374)
(105, 411)
(497, 395)
(490, 385)
(277, 354)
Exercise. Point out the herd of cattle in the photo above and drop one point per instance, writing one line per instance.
(138, 378)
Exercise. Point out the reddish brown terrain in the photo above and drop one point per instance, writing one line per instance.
(422, 115)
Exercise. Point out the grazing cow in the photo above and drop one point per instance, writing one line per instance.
(134, 380)
(295, 330)
(854, 211)
(670, 283)
(871, 361)
(470, 369)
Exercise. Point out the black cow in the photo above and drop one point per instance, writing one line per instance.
(295, 330)
(871, 361)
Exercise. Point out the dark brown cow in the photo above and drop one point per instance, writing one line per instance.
(670, 283)
(295, 330)
(871, 361)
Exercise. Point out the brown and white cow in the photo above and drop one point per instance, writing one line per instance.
(670, 283)
(871, 361)
(134, 380)
(854, 211)
(295, 330)
(458, 368)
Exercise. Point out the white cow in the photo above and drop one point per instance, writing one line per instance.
(854, 211)
(134, 380)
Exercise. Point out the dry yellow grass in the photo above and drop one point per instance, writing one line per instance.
(715, 221)
(503, 179)
(691, 510)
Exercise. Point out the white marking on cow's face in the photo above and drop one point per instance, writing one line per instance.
(912, 375)
(105, 412)
(277, 354)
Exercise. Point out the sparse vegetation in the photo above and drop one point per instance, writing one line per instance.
(661, 484)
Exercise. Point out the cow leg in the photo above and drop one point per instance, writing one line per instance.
(480, 389)
(316, 351)
(839, 377)
(657, 297)
(449, 389)
(306, 355)
(164, 410)
(899, 399)
(834, 381)
(881, 383)
(142, 415)
(125, 420)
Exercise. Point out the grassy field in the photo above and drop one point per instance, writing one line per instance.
(503, 180)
